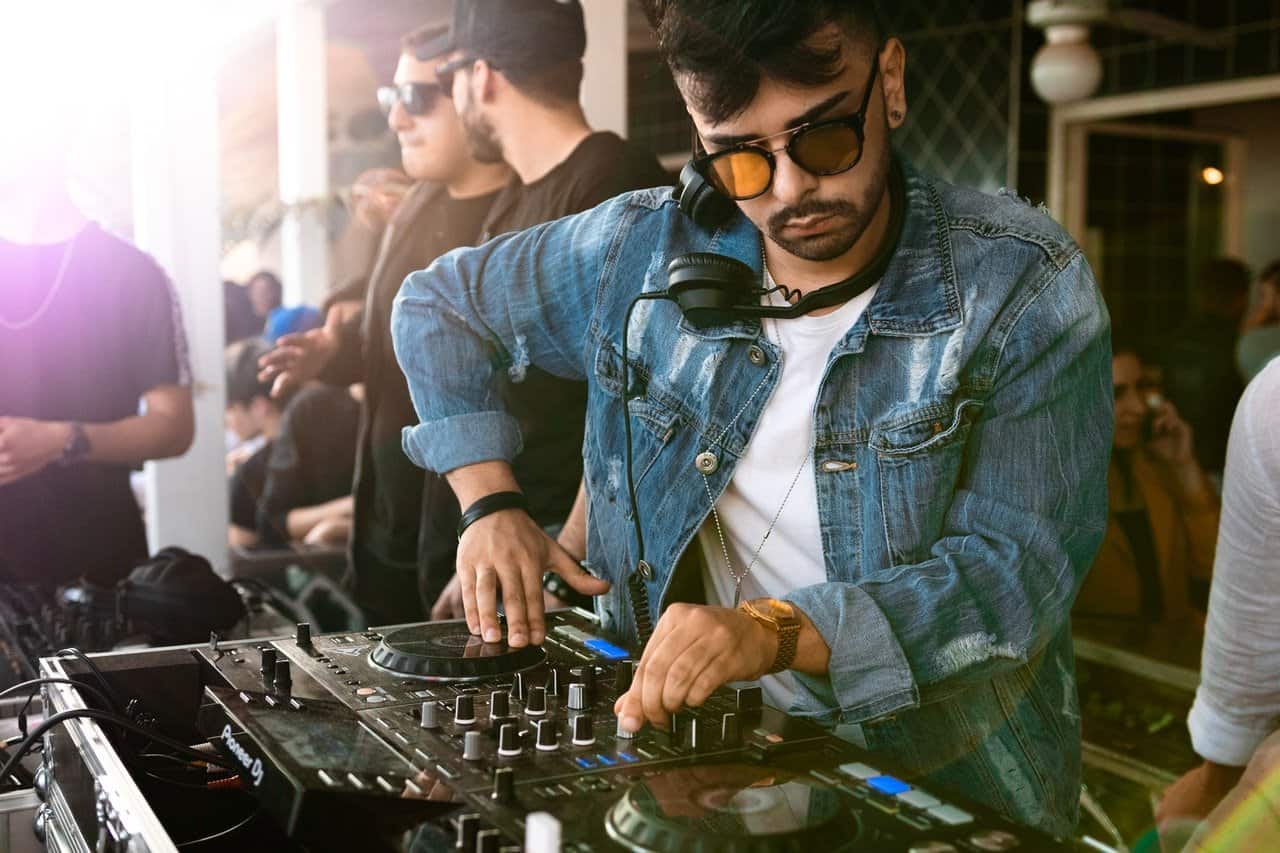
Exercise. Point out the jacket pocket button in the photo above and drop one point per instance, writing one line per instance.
(706, 462)
(756, 355)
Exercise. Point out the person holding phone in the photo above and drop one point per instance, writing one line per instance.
(1149, 582)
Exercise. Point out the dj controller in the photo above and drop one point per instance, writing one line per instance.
(519, 749)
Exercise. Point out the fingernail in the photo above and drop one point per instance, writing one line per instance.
(492, 635)
(517, 639)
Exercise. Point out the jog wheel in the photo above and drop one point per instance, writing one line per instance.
(450, 652)
(732, 808)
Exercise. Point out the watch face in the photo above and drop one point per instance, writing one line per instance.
(782, 611)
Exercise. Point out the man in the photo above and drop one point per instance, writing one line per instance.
(444, 208)
(1233, 722)
(296, 487)
(910, 484)
(1260, 332)
(515, 74)
(95, 373)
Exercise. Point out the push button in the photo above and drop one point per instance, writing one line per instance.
(706, 462)
(757, 356)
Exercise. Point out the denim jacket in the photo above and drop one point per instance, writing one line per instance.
(963, 429)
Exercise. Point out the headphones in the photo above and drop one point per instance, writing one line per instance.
(713, 289)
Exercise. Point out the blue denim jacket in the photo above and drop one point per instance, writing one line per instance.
(963, 430)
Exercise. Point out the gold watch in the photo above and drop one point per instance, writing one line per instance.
(782, 618)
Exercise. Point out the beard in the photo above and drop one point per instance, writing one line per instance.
(481, 138)
(852, 217)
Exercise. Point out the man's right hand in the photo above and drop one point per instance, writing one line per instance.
(1190, 799)
(297, 359)
(505, 554)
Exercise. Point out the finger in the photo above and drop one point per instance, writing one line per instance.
(532, 580)
(654, 681)
(563, 564)
(683, 671)
(711, 677)
(282, 386)
(471, 610)
(513, 605)
(487, 604)
(440, 610)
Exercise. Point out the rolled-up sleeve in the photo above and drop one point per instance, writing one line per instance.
(1018, 537)
(1238, 701)
(479, 317)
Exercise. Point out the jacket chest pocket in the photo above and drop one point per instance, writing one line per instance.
(654, 418)
(919, 458)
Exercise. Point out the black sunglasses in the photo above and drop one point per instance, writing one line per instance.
(445, 71)
(418, 99)
(828, 147)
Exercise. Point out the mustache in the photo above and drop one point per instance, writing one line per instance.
(812, 207)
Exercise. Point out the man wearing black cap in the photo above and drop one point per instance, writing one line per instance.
(515, 73)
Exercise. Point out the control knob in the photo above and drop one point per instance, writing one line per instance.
(499, 704)
(509, 740)
(583, 731)
(268, 664)
(536, 704)
(284, 676)
(548, 735)
(504, 785)
(464, 710)
(577, 697)
(471, 746)
(303, 635)
(622, 676)
(468, 826)
(518, 687)
(429, 718)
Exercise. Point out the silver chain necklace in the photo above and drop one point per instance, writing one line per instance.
(18, 326)
(724, 549)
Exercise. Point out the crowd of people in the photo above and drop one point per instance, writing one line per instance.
(454, 419)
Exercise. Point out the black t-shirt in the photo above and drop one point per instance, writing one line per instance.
(86, 351)
(551, 411)
(311, 461)
(389, 488)
(247, 484)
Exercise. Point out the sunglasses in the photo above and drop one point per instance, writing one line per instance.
(418, 99)
(828, 147)
(445, 71)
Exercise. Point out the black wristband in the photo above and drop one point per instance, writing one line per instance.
(488, 505)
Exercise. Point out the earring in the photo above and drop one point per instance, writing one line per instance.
(896, 115)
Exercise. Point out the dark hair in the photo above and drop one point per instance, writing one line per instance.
(553, 85)
(720, 49)
(1271, 272)
(239, 321)
(241, 360)
(415, 40)
(1223, 277)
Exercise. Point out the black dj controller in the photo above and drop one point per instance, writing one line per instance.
(335, 734)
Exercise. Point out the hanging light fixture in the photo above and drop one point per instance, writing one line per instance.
(1066, 68)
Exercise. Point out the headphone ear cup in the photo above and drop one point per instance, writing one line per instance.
(708, 287)
(699, 200)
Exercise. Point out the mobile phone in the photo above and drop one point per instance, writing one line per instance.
(1155, 402)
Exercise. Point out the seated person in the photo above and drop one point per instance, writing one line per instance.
(253, 417)
(297, 487)
(1237, 708)
(1161, 529)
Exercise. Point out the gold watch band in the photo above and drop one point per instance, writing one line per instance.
(781, 618)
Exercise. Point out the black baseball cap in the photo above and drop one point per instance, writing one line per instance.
(525, 35)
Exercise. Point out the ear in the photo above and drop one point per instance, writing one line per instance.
(893, 82)
(484, 82)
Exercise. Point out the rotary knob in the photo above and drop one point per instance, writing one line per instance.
(499, 704)
(509, 740)
(518, 687)
(730, 730)
(488, 840)
(468, 826)
(536, 704)
(584, 675)
(429, 718)
(303, 635)
(622, 676)
(472, 747)
(464, 710)
(548, 736)
(555, 680)
(504, 786)
(268, 664)
(583, 731)
(577, 697)
(284, 676)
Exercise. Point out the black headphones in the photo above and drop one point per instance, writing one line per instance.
(712, 289)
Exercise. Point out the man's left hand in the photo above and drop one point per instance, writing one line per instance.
(27, 446)
(694, 650)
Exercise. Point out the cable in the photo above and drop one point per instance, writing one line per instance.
(97, 693)
(116, 703)
(223, 832)
(105, 716)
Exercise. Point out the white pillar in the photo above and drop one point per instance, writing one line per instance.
(174, 138)
(303, 151)
(604, 82)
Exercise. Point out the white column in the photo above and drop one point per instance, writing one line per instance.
(174, 139)
(303, 151)
(604, 82)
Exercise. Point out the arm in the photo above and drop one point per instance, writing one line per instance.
(164, 429)
(461, 328)
(301, 521)
(1020, 532)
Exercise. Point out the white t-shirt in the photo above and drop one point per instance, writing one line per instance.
(792, 557)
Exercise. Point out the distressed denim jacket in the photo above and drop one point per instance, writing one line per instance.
(963, 429)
